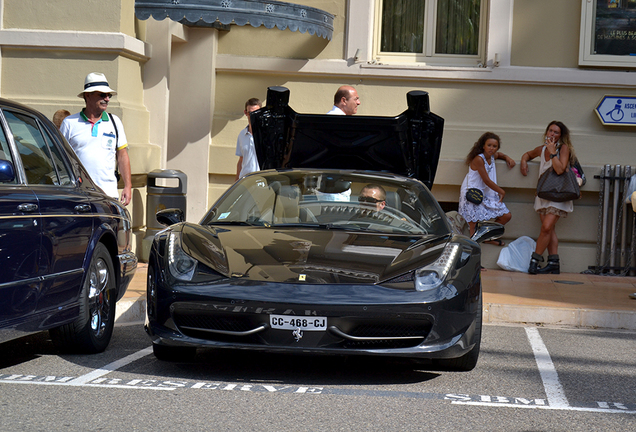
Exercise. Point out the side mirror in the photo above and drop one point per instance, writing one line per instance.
(486, 231)
(7, 172)
(170, 216)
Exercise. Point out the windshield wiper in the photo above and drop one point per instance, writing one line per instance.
(328, 226)
(255, 222)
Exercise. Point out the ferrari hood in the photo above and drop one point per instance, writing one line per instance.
(408, 144)
(309, 256)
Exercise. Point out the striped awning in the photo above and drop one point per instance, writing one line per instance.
(213, 13)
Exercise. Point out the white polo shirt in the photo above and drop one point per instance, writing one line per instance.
(95, 146)
(336, 111)
(245, 148)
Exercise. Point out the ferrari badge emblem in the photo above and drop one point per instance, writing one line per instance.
(298, 334)
(302, 277)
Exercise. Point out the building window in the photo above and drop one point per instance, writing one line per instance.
(440, 32)
(608, 33)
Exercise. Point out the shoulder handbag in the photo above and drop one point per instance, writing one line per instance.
(117, 175)
(474, 195)
(558, 188)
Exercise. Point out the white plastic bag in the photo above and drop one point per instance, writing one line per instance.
(516, 256)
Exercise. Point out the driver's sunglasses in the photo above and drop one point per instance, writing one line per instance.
(369, 199)
(105, 95)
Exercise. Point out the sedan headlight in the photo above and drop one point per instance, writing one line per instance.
(434, 274)
(181, 265)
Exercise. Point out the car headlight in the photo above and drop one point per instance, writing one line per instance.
(181, 265)
(434, 274)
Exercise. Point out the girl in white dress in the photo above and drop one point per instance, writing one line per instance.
(482, 175)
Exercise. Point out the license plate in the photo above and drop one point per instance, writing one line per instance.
(286, 322)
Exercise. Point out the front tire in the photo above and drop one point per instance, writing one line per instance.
(92, 330)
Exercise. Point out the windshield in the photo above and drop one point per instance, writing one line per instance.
(330, 200)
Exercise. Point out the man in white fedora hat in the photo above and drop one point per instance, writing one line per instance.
(98, 138)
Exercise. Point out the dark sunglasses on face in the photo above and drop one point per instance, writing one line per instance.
(369, 199)
(104, 95)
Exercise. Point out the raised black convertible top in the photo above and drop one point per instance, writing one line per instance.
(408, 144)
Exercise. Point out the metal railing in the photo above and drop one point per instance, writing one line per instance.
(615, 254)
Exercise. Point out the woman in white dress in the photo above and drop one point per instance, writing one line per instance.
(556, 152)
(483, 176)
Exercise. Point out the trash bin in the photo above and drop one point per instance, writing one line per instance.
(160, 198)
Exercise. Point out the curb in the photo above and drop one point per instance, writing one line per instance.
(130, 311)
(572, 317)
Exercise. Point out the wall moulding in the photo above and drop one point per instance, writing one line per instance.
(500, 75)
(118, 43)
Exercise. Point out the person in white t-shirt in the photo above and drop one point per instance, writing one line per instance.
(98, 138)
(245, 150)
(345, 101)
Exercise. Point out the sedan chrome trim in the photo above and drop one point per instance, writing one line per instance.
(228, 332)
(40, 279)
(27, 208)
(82, 208)
(128, 260)
(68, 215)
(342, 334)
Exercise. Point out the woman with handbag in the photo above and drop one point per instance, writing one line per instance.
(480, 197)
(556, 153)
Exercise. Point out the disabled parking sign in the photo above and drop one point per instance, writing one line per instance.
(617, 110)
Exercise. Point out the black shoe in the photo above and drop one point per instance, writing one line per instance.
(534, 263)
(552, 267)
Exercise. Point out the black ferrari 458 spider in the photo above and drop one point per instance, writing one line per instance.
(336, 247)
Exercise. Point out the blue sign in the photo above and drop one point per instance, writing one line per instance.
(617, 110)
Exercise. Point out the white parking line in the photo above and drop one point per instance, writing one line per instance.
(110, 367)
(553, 388)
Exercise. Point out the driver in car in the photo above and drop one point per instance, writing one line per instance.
(373, 194)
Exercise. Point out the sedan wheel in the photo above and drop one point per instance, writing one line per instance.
(92, 330)
(98, 298)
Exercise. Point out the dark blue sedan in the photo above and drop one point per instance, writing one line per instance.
(65, 247)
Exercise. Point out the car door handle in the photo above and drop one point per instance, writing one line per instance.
(27, 208)
(82, 208)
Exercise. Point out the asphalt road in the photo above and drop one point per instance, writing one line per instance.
(527, 379)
